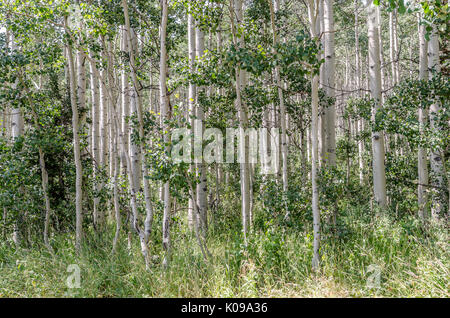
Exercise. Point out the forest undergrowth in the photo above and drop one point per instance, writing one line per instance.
(367, 256)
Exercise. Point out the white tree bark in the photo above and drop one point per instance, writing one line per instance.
(74, 89)
(201, 167)
(279, 83)
(116, 172)
(436, 157)
(191, 103)
(104, 118)
(95, 113)
(322, 121)
(17, 127)
(236, 12)
(125, 105)
(358, 86)
(329, 68)
(379, 175)
(313, 13)
(137, 150)
(423, 116)
(17, 123)
(44, 173)
(164, 102)
(393, 46)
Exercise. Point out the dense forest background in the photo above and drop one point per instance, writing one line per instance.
(93, 203)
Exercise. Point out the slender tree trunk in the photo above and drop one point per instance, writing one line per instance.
(358, 86)
(17, 128)
(279, 83)
(103, 100)
(322, 121)
(313, 12)
(116, 172)
(423, 115)
(393, 46)
(95, 138)
(44, 173)
(379, 176)
(329, 67)
(382, 62)
(164, 102)
(76, 137)
(436, 157)
(191, 103)
(201, 167)
(137, 149)
(236, 11)
(396, 49)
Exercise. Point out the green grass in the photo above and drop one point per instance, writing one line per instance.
(413, 262)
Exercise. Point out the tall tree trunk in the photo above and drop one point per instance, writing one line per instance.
(124, 112)
(322, 121)
(164, 102)
(358, 86)
(95, 138)
(436, 158)
(329, 68)
(116, 172)
(76, 138)
(44, 173)
(236, 11)
(279, 83)
(104, 124)
(313, 12)
(191, 103)
(379, 175)
(382, 62)
(137, 149)
(17, 127)
(423, 115)
(201, 167)
(393, 46)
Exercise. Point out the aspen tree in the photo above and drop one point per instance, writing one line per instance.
(95, 113)
(358, 87)
(236, 11)
(125, 100)
(191, 103)
(422, 164)
(17, 128)
(329, 78)
(137, 150)
(382, 61)
(164, 102)
(436, 157)
(379, 175)
(200, 114)
(393, 46)
(313, 13)
(44, 173)
(322, 121)
(76, 138)
(279, 83)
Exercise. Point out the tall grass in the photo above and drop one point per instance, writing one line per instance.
(412, 261)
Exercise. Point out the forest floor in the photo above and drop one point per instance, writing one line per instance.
(371, 257)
